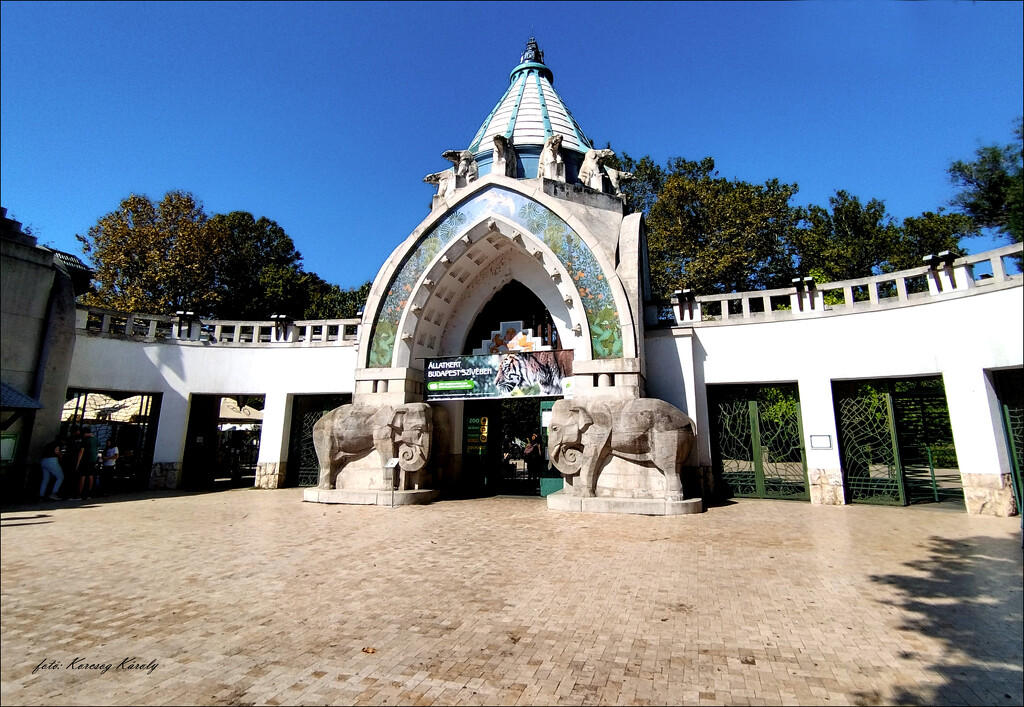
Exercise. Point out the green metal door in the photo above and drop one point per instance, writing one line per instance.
(1009, 387)
(895, 442)
(867, 444)
(758, 440)
(303, 466)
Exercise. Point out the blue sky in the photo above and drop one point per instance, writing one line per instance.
(325, 117)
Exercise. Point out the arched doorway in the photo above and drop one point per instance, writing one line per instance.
(498, 445)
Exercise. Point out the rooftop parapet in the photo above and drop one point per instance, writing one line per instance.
(942, 276)
(187, 329)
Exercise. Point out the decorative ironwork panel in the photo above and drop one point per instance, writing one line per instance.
(759, 441)
(309, 465)
(735, 453)
(868, 447)
(782, 453)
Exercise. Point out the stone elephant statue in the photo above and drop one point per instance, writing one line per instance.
(350, 432)
(583, 434)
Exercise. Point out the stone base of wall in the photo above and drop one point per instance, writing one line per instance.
(270, 475)
(165, 475)
(989, 494)
(826, 487)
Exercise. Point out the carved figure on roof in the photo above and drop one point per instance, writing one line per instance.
(616, 178)
(504, 157)
(550, 165)
(465, 166)
(591, 172)
(445, 181)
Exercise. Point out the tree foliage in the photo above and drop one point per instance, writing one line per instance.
(155, 257)
(992, 186)
(847, 240)
(169, 256)
(259, 272)
(711, 234)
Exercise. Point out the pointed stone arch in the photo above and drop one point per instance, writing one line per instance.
(581, 270)
(463, 276)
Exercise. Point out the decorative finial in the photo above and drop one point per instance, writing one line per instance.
(532, 53)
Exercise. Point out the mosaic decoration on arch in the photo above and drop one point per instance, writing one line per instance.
(564, 242)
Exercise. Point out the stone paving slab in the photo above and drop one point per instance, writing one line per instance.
(253, 597)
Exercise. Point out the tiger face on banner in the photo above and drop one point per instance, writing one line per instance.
(514, 374)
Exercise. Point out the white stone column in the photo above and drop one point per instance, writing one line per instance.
(821, 441)
(169, 447)
(981, 452)
(274, 439)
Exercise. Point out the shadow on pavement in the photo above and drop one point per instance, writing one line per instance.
(968, 594)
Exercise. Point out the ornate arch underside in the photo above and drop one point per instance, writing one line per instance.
(572, 252)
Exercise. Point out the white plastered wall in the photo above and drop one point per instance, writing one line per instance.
(181, 370)
(958, 339)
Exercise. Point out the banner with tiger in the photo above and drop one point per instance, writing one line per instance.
(521, 373)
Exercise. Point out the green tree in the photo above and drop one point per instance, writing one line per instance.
(847, 240)
(155, 257)
(992, 186)
(712, 235)
(259, 272)
(327, 301)
(928, 234)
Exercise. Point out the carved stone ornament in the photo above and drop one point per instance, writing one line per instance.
(503, 157)
(550, 165)
(591, 172)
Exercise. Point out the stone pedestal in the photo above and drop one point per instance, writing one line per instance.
(561, 501)
(826, 487)
(270, 475)
(989, 494)
(363, 497)
(164, 475)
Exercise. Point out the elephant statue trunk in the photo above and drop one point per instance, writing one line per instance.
(351, 432)
(584, 434)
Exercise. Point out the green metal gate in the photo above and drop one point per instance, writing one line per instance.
(758, 438)
(1009, 387)
(303, 466)
(895, 442)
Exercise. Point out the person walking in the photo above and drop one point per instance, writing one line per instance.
(86, 464)
(50, 462)
(110, 454)
(72, 455)
(534, 455)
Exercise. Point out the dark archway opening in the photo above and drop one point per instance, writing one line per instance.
(513, 302)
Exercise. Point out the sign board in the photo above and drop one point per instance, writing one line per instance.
(821, 441)
(524, 373)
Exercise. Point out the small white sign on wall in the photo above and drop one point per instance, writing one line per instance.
(821, 441)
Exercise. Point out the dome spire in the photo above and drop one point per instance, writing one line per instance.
(532, 53)
(532, 58)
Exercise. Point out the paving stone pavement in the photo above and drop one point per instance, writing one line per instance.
(253, 597)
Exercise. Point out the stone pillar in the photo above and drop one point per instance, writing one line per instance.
(608, 378)
(821, 441)
(170, 441)
(388, 386)
(981, 453)
(273, 460)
